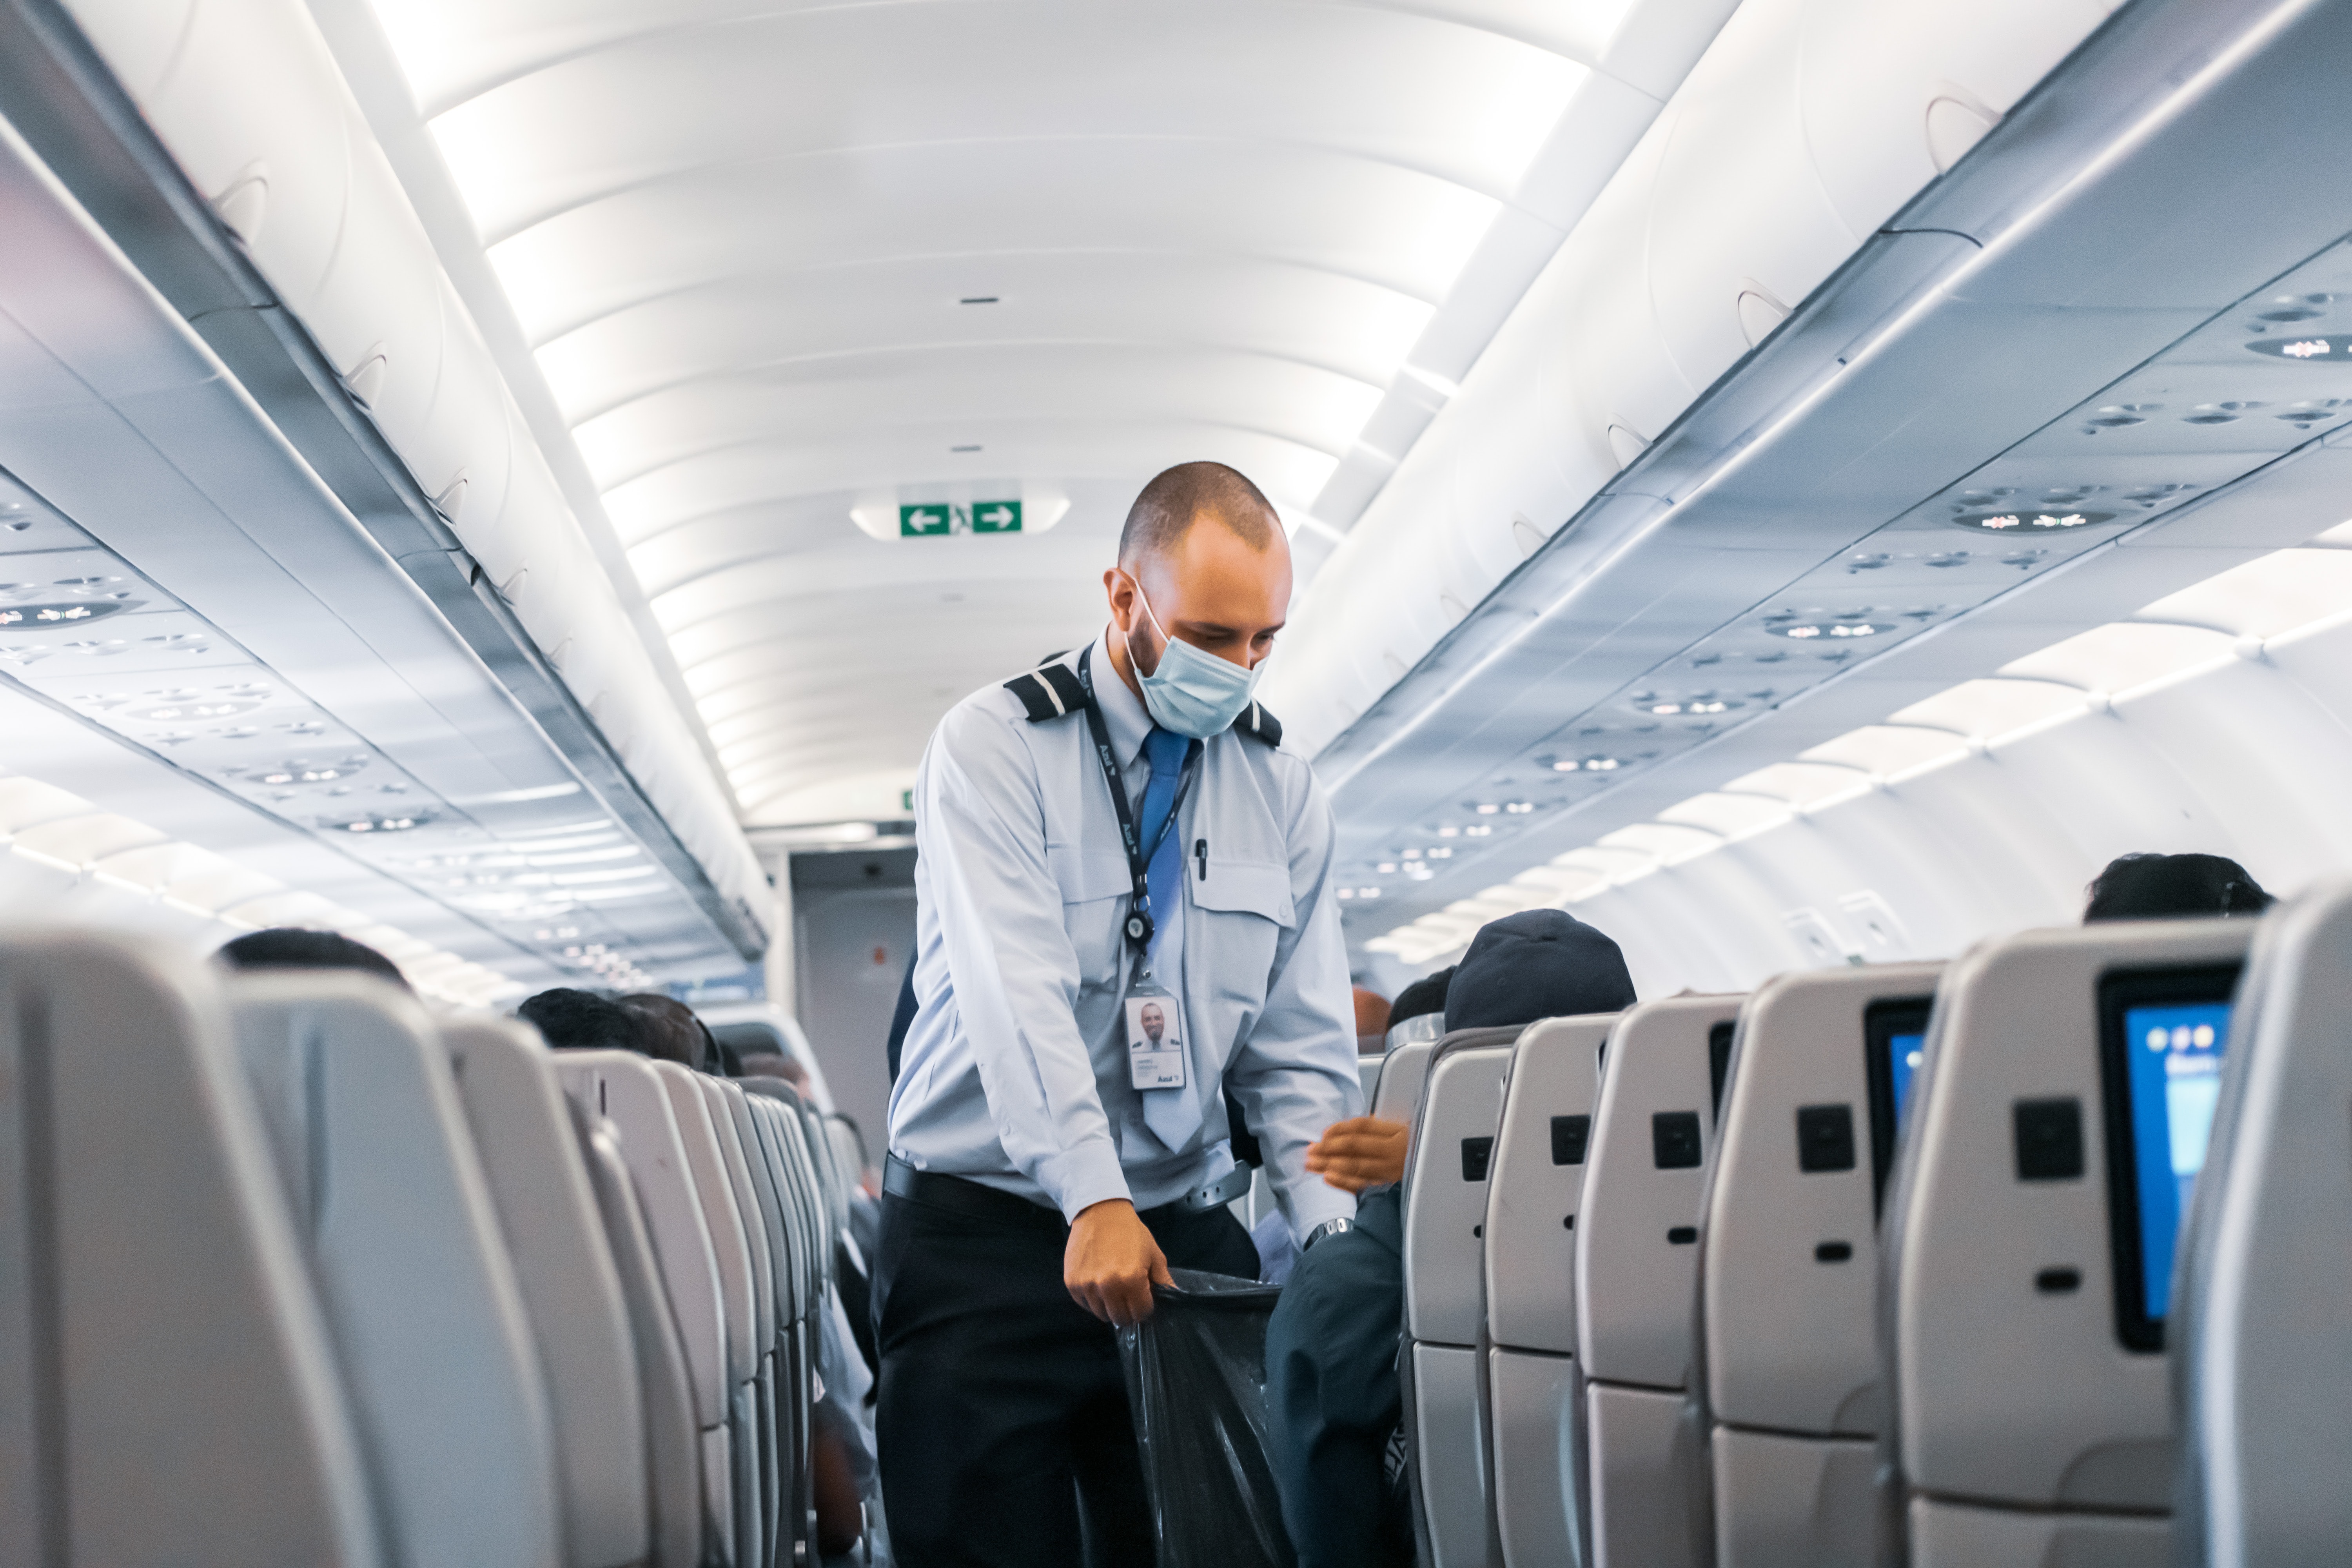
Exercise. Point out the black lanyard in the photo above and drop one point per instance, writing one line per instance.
(1139, 925)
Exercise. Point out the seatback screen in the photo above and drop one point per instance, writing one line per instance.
(2163, 1035)
(1895, 1036)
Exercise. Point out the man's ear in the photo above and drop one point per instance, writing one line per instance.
(1118, 588)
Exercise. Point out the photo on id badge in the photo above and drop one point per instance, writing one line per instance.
(1155, 1040)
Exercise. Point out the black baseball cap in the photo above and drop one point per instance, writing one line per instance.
(1537, 963)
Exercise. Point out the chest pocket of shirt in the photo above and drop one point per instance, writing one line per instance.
(1246, 888)
(1244, 907)
(1091, 881)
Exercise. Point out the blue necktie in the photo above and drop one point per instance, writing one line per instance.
(1172, 1114)
(1166, 750)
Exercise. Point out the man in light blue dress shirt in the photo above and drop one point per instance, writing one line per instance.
(1113, 843)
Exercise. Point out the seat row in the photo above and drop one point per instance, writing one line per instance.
(293, 1272)
(1878, 1264)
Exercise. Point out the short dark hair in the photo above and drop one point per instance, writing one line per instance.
(667, 1029)
(775, 1063)
(570, 1020)
(1179, 496)
(2172, 887)
(288, 947)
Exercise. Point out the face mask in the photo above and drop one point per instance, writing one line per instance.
(1193, 693)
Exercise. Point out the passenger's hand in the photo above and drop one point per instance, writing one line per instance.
(1360, 1152)
(1112, 1263)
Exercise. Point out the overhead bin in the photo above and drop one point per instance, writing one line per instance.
(1803, 128)
(475, 572)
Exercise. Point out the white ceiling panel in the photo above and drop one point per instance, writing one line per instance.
(779, 262)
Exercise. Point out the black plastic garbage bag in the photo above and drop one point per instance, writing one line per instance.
(1196, 1382)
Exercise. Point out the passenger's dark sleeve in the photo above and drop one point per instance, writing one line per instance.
(903, 1018)
(1331, 1384)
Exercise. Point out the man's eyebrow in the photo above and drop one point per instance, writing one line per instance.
(1219, 629)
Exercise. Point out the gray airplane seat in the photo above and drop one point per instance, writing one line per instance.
(2263, 1319)
(731, 1247)
(1536, 1184)
(1636, 1277)
(1444, 1219)
(623, 1088)
(665, 1386)
(547, 1207)
(780, 1428)
(403, 1239)
(1368, 1079)
(168, 1391)
(797, 1301)
(1397, 1093)
(2026, 1254)
(778, 1106)
(719, 1096)
(1788, 1260)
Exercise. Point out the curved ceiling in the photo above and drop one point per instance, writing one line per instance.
(777, 262)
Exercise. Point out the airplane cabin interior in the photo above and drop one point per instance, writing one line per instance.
(508, 509)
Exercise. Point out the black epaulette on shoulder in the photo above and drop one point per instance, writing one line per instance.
(1048, 692)
(1052, 691)
(1260, 725)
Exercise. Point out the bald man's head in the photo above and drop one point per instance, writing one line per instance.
(1189, 492)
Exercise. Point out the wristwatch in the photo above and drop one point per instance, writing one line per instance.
(1329, 1227)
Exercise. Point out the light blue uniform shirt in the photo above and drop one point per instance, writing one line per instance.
(1014, 1072)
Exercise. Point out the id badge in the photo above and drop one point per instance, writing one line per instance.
(1155, 1038)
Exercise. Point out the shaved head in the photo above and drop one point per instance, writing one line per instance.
(1172, 502)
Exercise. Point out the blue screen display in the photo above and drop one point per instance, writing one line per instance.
(1901, 1061)
(2175, 1052)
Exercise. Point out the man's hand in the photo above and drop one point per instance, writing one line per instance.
(1362, 1153)
(1112, 1263)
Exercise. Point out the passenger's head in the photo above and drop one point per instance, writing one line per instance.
(667, 1030)
(776, 1064)
(1371, 1014)
(1537, 963)
(1419, 1011)
(1203, 559)
(570, 1020)
(2172, 887)
(284, 947)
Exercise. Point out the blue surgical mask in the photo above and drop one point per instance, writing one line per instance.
(1193, 693)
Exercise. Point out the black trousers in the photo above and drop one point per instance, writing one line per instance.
(1003, 1416)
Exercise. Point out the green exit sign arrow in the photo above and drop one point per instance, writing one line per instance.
(996, 517)
(918, 521)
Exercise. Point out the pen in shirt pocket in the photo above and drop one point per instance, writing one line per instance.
(1201, 857)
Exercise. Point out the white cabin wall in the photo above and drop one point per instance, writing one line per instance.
(2242, 757)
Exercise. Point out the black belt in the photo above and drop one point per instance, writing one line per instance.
(975, 1200)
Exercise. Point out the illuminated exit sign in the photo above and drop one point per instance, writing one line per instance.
(935, 520)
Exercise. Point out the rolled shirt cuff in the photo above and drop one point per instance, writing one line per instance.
(1079, 1178)
(1315, 1201)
